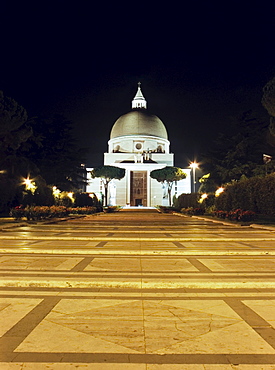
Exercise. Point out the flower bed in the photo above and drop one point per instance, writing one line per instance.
(236, 215)
(219, 214)
(44, 212)
(82, 210)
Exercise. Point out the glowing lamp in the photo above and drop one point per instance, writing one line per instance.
(219, 191)
(30, 185)
(194, 165)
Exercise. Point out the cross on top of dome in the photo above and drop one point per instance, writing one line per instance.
(139, 100)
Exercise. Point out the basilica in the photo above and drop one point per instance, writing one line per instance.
(139, 144)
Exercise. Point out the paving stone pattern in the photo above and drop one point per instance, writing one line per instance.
(137, 290)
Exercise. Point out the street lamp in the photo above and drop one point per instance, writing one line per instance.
(194, 165)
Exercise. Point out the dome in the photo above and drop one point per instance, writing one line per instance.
(139, 122)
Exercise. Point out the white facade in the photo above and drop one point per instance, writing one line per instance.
(139, 144)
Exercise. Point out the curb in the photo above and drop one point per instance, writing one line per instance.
(208, 219)
(139, 253)
(264, 227)
(142, 285)
(129, 239)
(255, 226)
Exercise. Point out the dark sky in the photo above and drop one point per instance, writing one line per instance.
(200, 64)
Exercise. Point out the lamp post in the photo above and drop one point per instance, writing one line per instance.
(194, 165)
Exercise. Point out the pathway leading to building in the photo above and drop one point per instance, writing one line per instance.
(137, 290)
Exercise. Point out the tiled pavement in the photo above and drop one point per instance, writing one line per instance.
(137, 290)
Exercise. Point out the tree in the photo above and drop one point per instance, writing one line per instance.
(168, 175)
(208, 185)
(55, 152)
(41, 195)
(268, 101)
(239, 153)
(15, 130)
(107, 174)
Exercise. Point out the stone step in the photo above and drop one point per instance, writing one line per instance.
(142, 284)
(88, 251)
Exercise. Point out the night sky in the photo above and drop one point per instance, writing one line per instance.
(200, 65)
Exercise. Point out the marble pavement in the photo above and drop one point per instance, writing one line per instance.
(137, 290)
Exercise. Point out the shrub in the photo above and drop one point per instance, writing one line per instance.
(256, 194)
(58, 211)
(192, 211)
(85, 200)
(82, 210)
(247, 216)
(219, 214)
(210, 210)
(44, 212)
(265, 200)
(65, 200)
(17, 212)
(186, 200)
(37, 212)
(236, 215)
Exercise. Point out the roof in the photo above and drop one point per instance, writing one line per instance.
(139, 122)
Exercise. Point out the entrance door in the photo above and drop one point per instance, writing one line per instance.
(138, 202)
(138, 193)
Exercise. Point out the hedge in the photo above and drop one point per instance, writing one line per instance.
(256, 194)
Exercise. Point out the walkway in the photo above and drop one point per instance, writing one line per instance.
(137, 290)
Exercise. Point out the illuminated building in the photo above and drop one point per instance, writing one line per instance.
(139, 144)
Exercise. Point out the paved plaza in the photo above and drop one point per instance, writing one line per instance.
(137, 290)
